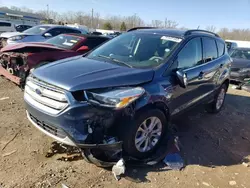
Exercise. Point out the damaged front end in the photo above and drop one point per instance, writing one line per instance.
(90, 120)
(3, 42)
(14, 67)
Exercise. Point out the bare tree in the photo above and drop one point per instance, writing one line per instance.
(156, 23)
(211, 28)
(170, 23)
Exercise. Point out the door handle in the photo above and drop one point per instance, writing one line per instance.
(201, 75)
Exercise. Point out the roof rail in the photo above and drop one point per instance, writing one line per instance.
(136, 28)
(188, 32)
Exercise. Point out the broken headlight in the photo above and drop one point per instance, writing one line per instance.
(117, 98)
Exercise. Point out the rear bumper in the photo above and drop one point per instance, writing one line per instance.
(9, 76)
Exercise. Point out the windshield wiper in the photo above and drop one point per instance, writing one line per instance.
(115, 60)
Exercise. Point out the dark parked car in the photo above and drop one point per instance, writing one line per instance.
(240, 70)
(21, 28)
(127, 90)
(17, 60)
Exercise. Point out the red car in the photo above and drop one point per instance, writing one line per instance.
(17, 60)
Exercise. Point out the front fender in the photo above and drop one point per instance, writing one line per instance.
(156, 96)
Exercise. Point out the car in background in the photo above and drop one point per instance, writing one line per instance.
(6, 27)
(38, 33)
(17, 60)
(246, 87)
(233, 44)
(84, 29)
(122, 95)
(240, 68)
(21, 28)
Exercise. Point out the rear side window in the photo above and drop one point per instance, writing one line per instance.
(94, 42)
(72, 31)
(209, 49)
(221, 48)
(190, 55)
(5, 24)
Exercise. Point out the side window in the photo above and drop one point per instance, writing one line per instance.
(221, 47)
(5, 24)
(190, 55)
(93, 42)
(209, 49)
(55, 31)
(71, 31)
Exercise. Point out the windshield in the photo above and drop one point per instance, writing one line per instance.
(241, 54)
(65, 41)
(135, 49)
(37, 30)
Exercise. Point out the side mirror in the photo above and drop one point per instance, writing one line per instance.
(47, 35)
(83, 49)
(182, 77)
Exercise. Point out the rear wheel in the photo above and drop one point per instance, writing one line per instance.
(218, 102)
(142, 135)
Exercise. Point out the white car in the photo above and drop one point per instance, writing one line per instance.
(6, 27)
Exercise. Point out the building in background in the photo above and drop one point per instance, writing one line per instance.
(18, 17)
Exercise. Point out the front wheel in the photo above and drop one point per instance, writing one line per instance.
(218, 102)
(142, 135)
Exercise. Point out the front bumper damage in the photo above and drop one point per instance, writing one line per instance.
(3, 42)
(14, 67)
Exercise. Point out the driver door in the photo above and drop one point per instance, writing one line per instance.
(189, 60)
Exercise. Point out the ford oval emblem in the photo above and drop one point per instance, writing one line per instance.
(38, 91)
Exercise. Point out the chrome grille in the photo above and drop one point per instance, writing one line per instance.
(45, 96)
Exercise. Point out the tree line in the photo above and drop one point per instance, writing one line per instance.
(123, 23)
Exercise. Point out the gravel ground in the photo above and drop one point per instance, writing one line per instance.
(214, 149)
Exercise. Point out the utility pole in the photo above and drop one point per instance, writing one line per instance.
(47, 11)
(92, 18)
(134, 20)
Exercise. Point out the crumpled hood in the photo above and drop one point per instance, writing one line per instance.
(9, 34)
(240, 63)
(79, 73)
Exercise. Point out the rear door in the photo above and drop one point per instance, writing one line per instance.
(213, 64)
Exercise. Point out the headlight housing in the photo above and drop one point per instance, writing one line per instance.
(117, 98)
(244, 70)
(15, 38)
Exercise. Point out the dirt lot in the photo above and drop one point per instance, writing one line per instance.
(213, 147)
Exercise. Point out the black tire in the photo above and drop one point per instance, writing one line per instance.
(129, 130)
(212, 107)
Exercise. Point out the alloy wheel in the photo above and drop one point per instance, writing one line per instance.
(220, 99)
(148, 134)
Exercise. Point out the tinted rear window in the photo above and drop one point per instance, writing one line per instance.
(209, 49)
(5, 24)
(221, 48)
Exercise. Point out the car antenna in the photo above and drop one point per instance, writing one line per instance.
(198, 27)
